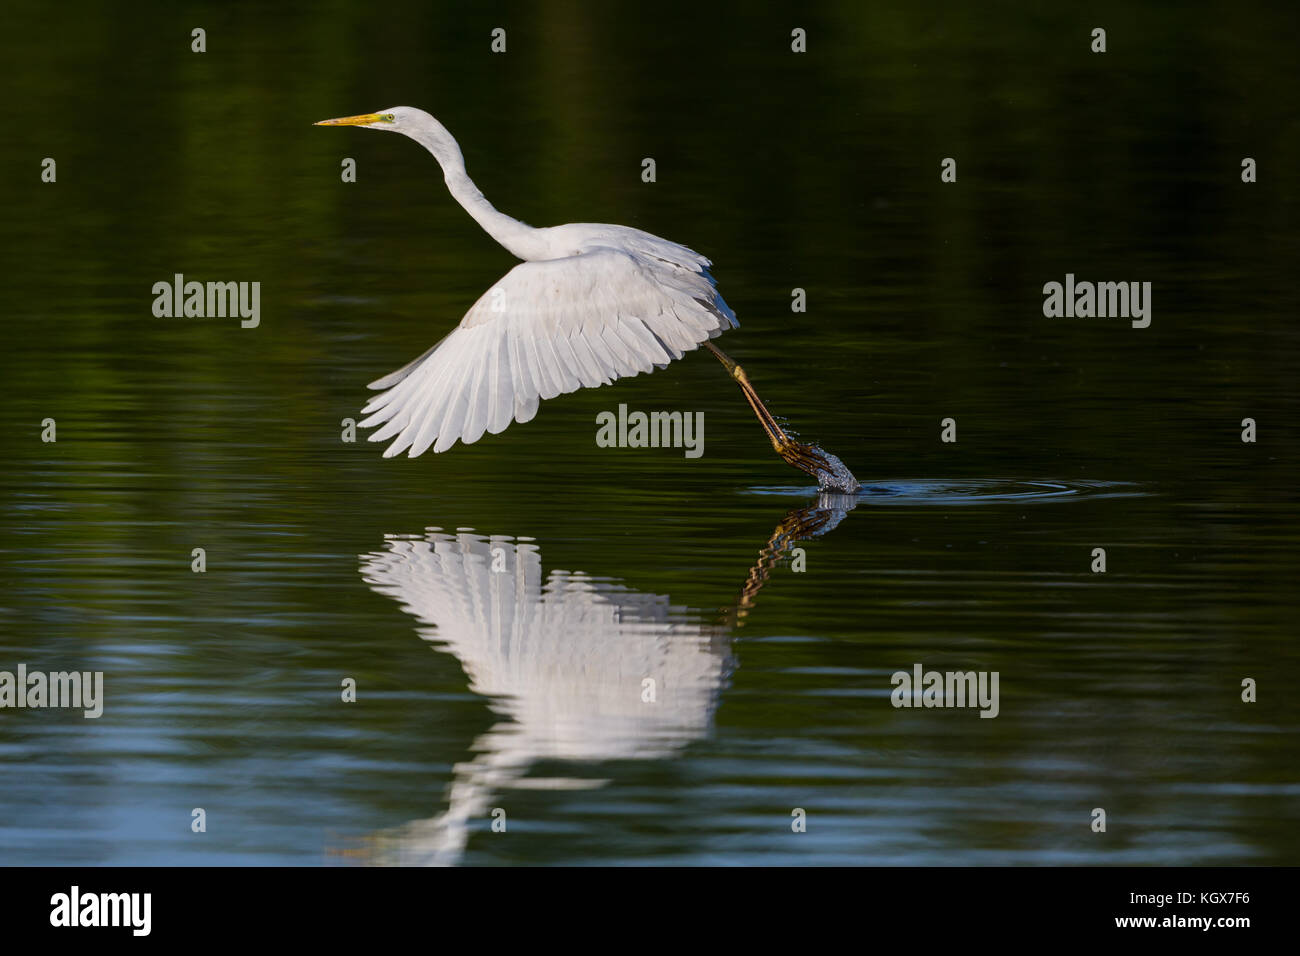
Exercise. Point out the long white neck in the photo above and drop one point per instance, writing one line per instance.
(521, 239)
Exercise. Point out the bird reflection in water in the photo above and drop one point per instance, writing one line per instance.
(566, 659)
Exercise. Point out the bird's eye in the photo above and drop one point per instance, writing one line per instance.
(389, 118)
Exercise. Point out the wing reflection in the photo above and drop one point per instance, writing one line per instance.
(580, 668)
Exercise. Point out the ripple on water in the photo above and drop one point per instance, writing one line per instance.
(973, 491)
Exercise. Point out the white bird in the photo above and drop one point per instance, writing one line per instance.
(590, 303)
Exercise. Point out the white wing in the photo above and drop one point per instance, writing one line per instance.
(547, 328)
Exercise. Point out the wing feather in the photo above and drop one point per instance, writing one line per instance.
(550, 327)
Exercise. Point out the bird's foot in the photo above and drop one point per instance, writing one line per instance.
(831, 473)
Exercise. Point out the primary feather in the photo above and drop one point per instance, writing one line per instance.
(627, 303)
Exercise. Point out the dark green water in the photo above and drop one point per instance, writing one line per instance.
(520, 689)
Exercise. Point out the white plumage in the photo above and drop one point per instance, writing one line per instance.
(548, 328)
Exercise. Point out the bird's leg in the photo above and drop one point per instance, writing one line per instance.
(804, 457)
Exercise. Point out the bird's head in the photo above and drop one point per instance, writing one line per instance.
(395, 119)
(417, 124)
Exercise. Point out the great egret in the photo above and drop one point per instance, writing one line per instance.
(590, 303)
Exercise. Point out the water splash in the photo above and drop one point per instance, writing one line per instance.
(836, 477)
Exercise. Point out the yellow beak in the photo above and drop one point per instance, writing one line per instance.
(362, 120)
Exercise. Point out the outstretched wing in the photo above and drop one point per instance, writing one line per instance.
(547, 328)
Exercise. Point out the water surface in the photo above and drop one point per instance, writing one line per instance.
(521, 689)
